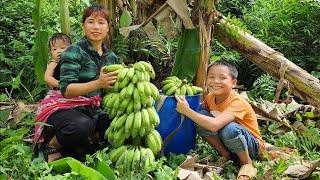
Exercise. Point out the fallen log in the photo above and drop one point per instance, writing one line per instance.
(301, 83)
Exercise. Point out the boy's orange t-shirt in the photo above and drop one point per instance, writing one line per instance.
(240, 108)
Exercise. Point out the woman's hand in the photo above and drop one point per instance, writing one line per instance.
(106, 80)
(182, 104)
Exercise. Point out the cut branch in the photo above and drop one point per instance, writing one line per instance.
(302, 83)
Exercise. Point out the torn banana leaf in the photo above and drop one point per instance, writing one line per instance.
(188, 55)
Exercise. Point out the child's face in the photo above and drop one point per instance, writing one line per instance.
(219, 80)
(57, 47)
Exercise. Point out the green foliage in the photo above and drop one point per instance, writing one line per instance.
(263, 88)
(290, 26)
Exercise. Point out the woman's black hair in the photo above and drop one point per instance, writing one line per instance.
(95, 8)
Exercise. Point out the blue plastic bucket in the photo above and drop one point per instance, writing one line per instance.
(185, 138)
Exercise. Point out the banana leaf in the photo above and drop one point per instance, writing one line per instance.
(188, 55)
(68, 164)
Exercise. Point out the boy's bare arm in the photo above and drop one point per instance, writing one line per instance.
(48, 75)
(210, 123)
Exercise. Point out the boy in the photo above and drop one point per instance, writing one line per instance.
(58, 43)
(232, 124)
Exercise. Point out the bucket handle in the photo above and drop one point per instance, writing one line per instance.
(174, 132)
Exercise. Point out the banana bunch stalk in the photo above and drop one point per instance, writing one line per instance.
(133, 158)
(174, 86)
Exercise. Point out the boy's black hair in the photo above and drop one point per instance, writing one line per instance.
(233, 70)
(59, 36)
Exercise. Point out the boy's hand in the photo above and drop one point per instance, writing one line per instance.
(182, 104)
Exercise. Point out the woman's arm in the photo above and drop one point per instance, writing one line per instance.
(210, 123)
(105, 81)
(48, 75)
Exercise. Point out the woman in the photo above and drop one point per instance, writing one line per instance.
(81, 75)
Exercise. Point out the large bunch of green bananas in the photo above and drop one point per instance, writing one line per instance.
(132, 157)
(174, 86)
(131, 106)
(127, 126)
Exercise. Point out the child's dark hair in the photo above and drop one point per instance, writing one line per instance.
(233, 70)
(59, 36)
(95, 8)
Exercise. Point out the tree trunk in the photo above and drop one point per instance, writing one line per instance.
(301, 82)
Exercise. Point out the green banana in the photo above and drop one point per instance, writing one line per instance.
(154, 91)
(121, 121)
(177, 92)
(112, 67)
(134, 79)
(146, 76)
(157, 137)
(139, 67)
(113, 113)
(151, 143)
(144, 100)
(136, 159)
(137, 106)
(166, 87)
(130, 89)
(151, 156)
(116, 87)
(116, 153)
(130, 107)
(147, 88)
(189, 91)
(124, 104)
(164, 82)
(122, 74)
(145, 119)
(123, 93)
(140, 86)
(183, 89)
(150, 102)
(156, 116)
(197, 90)
(129, 122)
(140, 75)
(136, 94)
(129, 159)
(112, 99)
(116, 104)
(171, 91)
(137, 121)
(122, 157)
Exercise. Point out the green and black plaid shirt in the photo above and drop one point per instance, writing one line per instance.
(81, 63)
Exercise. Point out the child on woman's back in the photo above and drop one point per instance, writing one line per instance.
(228, 122)
(58, 43)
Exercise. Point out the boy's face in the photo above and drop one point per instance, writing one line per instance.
(219, 80)
(57, 47)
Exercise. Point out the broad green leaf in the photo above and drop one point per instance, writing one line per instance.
(187, 57)
(125, 19)
(105, 170)
(64, 165)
